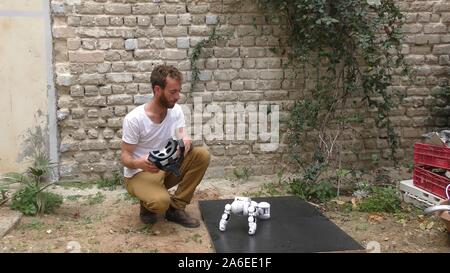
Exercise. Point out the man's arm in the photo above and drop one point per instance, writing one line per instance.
(132, 163)
(186, 139)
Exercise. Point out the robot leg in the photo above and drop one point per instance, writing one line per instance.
(225, 218)
(251, 220)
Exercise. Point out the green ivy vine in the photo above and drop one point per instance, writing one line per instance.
(352, 48)
(213, 37)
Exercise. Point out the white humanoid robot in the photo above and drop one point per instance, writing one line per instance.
(244, 206)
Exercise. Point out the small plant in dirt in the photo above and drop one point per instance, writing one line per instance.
(310, 187)
(82, 185)
(148, 230)
(316, 192)
(128, 197)
(31, 198)
(242, 174)
(267, 189)
(34, 224)
(111, 183)
(381, 199)
(74, 197)
(363, 189)
(96, 199)
(196, 238)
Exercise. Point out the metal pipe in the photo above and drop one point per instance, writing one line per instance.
(437, 208)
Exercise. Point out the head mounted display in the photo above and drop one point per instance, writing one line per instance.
(168, 159)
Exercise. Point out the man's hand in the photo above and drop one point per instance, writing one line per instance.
(187, 145)
(144, 164)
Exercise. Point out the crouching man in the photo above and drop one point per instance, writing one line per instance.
(149, 127)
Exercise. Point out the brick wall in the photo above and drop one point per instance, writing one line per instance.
(105, 50)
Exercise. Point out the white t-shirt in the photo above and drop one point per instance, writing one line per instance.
(140, 130)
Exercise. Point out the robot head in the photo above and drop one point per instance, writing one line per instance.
(263, 210)
(168, 159)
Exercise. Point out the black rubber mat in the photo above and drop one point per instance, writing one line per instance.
(295, 226)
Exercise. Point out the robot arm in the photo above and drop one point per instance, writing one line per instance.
(225, 218)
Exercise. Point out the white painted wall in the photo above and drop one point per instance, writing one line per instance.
(26, 84)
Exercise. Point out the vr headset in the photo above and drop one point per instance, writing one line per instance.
(168, 159)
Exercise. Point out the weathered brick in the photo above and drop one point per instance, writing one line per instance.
(199, 30)
(101, 21)
(64, 32)
(130, 21)
(158, 20)
(171, 54)
(88, 145)
(197, 19)
(91, 79)
(95, 101)
(115, 122)
(276, 95)
(76, 91)
(141, 99)
(73, 43)
(435, 28)
(197, 8)
(178, 31)
(120, 111)
(225, 75)
(90, 91)
(185, 19)
(88, 21)
(93, 113)
(88, 44)
(108, 133)
(171, 19)
(73, 21)
(271, 74)
(441, 49)
(87, 57)
(120, 99)
(253, 52)
(92, 133)
(211, 19)
(268, 85)
(116, 21)
(143, 21)
(226, 52)
(183, 42)
(123, 9)
(442, 6)
(119, 77)
(131, 44)
(250, 96)
(145, 8)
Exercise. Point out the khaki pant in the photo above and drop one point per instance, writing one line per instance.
(151, 188)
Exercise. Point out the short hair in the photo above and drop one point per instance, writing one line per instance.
(160, 73)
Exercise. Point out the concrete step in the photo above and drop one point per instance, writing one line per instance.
(8, 220)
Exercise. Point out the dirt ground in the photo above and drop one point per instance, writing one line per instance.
(98, 220)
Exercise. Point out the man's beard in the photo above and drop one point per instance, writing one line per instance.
(165, 102)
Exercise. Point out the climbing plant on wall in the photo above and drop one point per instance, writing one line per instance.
(351, 50)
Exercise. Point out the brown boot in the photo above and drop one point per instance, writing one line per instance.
(180, 216)
(147, 217)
